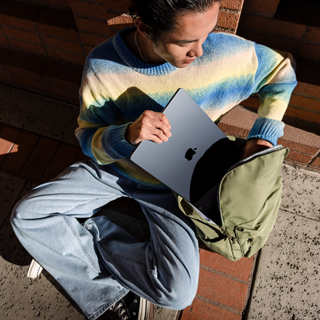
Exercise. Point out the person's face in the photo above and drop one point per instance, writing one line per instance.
(183, 45)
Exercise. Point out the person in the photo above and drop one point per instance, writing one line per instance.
(126, 82)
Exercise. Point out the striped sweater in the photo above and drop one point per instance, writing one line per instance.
(117, 87)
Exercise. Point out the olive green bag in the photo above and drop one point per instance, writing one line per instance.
(249, 197)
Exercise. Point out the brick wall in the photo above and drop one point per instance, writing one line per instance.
(268, 23)
(43, 45)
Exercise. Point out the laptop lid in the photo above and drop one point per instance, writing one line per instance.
(193, 133)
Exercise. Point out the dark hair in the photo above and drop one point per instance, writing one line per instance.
(161, 15)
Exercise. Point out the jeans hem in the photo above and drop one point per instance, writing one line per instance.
(107, 306)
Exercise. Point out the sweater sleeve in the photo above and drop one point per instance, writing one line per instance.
(274, 82)
(101, 127)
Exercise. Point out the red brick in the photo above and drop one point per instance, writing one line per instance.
(25, 46)
(270, 41)
(119, 5)
(251, 102)
(285, 28)
(238, 122)
(21, 18)
(101, 28)
(304, 102)
(91, 39)
(64, 33)
(88, 49)
(232, 4)
(240, 269)
(308, 89)
(62, 75)
(65, 156)
(39, 158)
(30, 84)
(316, 163)
(19, 23)
(62, 44)
(309, 51)
(234, 130)
(22, 35)
(7, 138)
(88, 10)
(119, 23)
(222, 289)
(296, 146)
(4, 53)
(70, 96)
(25, 65)
(58, 3)
(5, 78)
(300, 140)
(66, 56)
(313, 35)
(228, 20)
(200, 310)
(56, 18)
(262, 6)
(120, 20)
(20, 152)
(298, 157)
(4, 42)
(303, 114)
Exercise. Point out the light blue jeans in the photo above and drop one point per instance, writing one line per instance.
(98, 262)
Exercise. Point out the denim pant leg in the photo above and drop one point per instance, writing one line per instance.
(46, 225)
(97, 264)
(165, 270)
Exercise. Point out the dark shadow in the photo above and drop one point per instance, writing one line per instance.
(208, 173)
(303, 12)
(11, 249)
(308, 70)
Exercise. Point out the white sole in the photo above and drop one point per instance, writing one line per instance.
(34, 270)
(146, 310)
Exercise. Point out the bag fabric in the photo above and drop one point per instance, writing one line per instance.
(249, 197)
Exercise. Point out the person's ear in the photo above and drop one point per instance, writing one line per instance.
(142, 28)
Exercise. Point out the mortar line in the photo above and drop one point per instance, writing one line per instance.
(305, 95)
(218, 304)
(224, 274)
(314, 157)
(304, 109)
(302, 39)
(230, 10)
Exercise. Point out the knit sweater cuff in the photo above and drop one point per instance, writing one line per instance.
(114, 142)
(267, 129)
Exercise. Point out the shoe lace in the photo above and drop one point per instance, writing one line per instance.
(118, 308)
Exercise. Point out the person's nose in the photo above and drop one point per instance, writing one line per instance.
(197, 50)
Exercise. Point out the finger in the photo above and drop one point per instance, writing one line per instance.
(154, 134)
(158, 116)
(161, 126)
(163, 118)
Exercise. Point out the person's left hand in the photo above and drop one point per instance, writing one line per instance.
(255, 145)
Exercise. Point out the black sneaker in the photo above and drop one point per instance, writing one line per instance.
(133, 307)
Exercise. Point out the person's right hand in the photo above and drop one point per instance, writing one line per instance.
(153, 126)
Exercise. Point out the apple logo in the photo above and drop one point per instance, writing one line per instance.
(190, 153)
